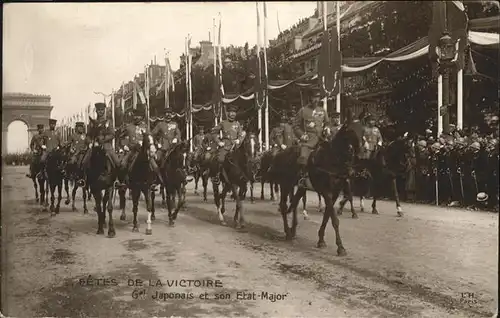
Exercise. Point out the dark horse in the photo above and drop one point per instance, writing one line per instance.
(141, 177)
(73, 173)
(389, 163)
(101, 177)
(55, 174)
(37, 176)
(174, 176)
(329, 167)
(235, 177)
(202, 167)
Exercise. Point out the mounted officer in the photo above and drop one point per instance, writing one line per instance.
(199, 144)
(334, 124)
(134, 132)
(167, 134)
(372, 138)
(308, 127)
(52, 142)
(79, 143)
(232, 135)
(101, 133)
(282, 135)
(37, 145)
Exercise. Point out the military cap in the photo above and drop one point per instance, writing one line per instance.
(201, 127)
(168, 111)
(422, 143)
(100, 106)
(428, 131)
(39, 126)
(494, 118)
(481, 197)
(436, 146)
(79, 124)
(452, 126)
(52, 121)
(232, 108)
(475, 145)
(316, 93)
(335, 114)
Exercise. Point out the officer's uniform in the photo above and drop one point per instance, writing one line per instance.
(52, 142)
(36, 146)
(199, 144)
(167, 133)
(101, 132)
(134, 132)
(232, 133)
(79, 143)
(333, 127)
(310, 121)
(373, 139)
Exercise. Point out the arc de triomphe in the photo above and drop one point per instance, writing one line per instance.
(29, 108)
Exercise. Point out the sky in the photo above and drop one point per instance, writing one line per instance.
(71, 50)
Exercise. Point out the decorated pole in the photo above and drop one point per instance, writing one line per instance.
(216, 101)
(146, 92)
(190, 113)
(113, 116)
(440, 104)
(259, 109)
(187, 87)
(166, 81)
(337, 101)
(219, 49)
(265, 91)
(325, 29)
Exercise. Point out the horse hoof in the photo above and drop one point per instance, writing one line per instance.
(135, 229)
(341, 251)
(44, 209)
(67, 201)
(253, 202)
(205, 200)
(362, 210)
(239, 226)
(100, 231)
(339, 212)
(52, 208)
(223, 223)
(74, 209)
(52, 213)
(288, 237)
(321, 244)
(57, 210)
(85, 211)
(95, 209)
(36, 200)
(123, 217)
(306, 217)
(320, 210)
(111, 234)
(400, 214)
(354, 216)
(149, 231)
(374, 211)
(105, 226)
(171, 223)
(153, 217)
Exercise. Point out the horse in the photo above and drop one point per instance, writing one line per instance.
(101, 176)
(37, 176)
(392, 161)
(73, 173)
(265, 163)
(254, 163)
(235, 177)
(328, 166)
(202, 166)
(141, 177)
(174, 176)
(55, 174)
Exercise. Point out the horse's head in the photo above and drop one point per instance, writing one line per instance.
(350, 134)
(253, 139)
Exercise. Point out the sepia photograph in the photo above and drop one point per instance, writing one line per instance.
(250, 159)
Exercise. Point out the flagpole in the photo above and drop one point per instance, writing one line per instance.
(190, 99)
(219, 49)
(325, 29)
(186, 60)
(113, 115)
(440, 103)
(216, 102)
(337, 101)
(259, 109)
(266, 110)
(146, 91)
(166, 83)
(460, 99)
(122, 103)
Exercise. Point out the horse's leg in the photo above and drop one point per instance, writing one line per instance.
(180, 202)
(147, 197)
(52, 187)
(204, 180)
(217, 201)
(300, 194)
(100, 220)
(251, 193)
(262, 184)
(330, 206)
(285, 189)
(304, 204)
(396, 196)
(36, 189)
(170, 197)
(375, 194)
(84, 195)
(108, 204)
(238, 215)
(59, 196)
(272, 190)
(162, 191)
(73, 195)
(136, 193)
(66, 188)
(153, 197)
(123, 200)
(196, 180)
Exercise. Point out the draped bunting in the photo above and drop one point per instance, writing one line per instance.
(484, 38)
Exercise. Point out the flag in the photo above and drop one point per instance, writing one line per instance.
(221, 84)
(329, 63)
(122, 102)
(170, 76)
(138, 90)
(134, 95)
(449, 16)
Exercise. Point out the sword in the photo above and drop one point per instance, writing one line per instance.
(461, 184)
